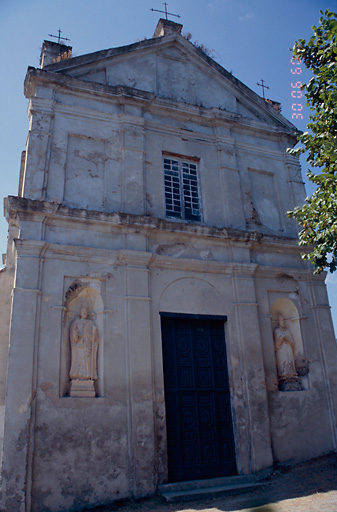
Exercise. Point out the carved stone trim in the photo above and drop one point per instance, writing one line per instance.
(43, 105)
(31, 248)
(244, 270)
(133, 297)
(56, 214)
(135, 259)
(31, 290)
(82, 388)
(245, 304)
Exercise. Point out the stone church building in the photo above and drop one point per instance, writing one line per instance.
(157, 321)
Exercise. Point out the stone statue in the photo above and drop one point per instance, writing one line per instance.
(83, 335)
(285, 357)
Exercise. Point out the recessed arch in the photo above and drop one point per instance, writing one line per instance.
(81, 294)
(192, 295)
(290, 313)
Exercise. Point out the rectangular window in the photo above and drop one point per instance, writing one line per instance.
(182, 197)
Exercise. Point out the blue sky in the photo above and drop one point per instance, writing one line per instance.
(250, 38)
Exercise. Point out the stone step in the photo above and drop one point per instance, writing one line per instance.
(215, 487)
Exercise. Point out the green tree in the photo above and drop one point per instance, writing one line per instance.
(318, 216)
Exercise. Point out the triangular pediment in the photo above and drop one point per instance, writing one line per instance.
(172, 68)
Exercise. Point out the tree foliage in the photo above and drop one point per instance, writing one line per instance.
(318, 216)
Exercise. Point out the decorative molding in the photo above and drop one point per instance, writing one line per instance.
(244, 270)
(57, 214)
(43, 105)
(179, 133)
(130, 121)
(153, 103)
(30, 248)
(272, 272)
(292, 160)
(192, 265)
(226, 168)
(261, 171)
(173, 57)
(264, 151)
(37, 132)
(135, 297)
(135, 259)
(30, 290)
(245, 304)
(135, 150)
(137, 268)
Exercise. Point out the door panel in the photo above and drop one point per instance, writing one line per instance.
(198, 413)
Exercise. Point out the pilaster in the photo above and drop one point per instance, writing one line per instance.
(254, 429)
(295, 180)
(327, 345)
(41, 112)
(133, 157)
(230, 180)
(139, 371)
(20, 402)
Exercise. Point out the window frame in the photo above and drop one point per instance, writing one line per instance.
(182, 187)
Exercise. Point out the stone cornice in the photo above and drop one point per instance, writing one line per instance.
(191, 52)
(148, 100)
(30, 248)
(215, 138)
(138, 260)
(244, 270)
(245, 147)
(286, 272)
(45, 105)
(42, 77)
(135, 259)
(58, 214)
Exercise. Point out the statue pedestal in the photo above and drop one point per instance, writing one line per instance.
(290, 384)
(82, 388)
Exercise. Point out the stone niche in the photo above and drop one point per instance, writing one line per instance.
(292, 366)
(81, 372)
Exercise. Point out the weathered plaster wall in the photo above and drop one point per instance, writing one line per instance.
(116, 434)
(6, 287)
(121, 170)
(115, 444)
(295, 416)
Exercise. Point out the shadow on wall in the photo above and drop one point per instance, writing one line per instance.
(311, 478)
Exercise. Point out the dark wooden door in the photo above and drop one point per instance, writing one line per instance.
(198, 413)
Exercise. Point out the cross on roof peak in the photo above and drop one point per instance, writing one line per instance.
(263, 87)
(165, 12)
(58, 37)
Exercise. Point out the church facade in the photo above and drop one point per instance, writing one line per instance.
(158, 322)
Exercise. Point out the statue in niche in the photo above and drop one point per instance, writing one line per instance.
(285, 357)
(83, 336)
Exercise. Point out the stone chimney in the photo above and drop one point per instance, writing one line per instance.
(275, 104)
(166, 28)
(54, 52)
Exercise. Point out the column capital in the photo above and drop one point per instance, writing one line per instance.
(244, 270)
(135, 259)
(30, 248)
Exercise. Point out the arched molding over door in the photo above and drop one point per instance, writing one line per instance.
(192, 295)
